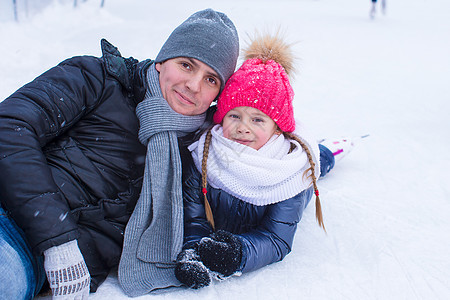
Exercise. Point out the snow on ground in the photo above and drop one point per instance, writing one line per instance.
(386, 206)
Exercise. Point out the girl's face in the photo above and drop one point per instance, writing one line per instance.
(248, 126)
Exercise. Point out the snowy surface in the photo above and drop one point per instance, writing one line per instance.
(386, 206)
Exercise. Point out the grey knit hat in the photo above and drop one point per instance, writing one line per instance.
(208, 36)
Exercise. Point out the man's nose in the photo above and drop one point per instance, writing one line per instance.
(194, 83)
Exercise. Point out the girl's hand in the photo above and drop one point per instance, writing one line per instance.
(221, 252)
(190, 271)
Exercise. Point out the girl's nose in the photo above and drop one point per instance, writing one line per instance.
(243, 128)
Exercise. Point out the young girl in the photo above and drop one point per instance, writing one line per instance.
(252, 174)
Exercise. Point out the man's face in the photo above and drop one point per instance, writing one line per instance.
(188, 85)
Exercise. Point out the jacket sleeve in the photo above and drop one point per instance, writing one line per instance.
(195, 224)
(30, 118)
(272, 240)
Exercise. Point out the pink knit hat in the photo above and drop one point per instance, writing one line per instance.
(263, 85)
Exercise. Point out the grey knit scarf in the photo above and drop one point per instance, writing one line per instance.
(154, 234)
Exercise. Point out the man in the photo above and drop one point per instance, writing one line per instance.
(72, 162)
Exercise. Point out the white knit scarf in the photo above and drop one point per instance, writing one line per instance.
(260, 177)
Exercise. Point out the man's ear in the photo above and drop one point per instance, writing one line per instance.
(158, 67)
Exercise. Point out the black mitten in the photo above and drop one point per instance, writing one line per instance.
(221, 252)
(190, 270)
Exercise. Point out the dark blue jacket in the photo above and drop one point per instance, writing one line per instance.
(266, 232)
(70, 160)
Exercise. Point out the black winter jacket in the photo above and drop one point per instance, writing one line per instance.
(266, 232)
(70, 160)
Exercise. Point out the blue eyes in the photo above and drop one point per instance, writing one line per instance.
(256, 120)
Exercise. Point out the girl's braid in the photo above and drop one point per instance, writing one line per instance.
(208, 211)
(319, 216)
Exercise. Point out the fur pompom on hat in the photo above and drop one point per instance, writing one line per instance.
(262, 82)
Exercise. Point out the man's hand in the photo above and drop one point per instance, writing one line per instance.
(67, 272)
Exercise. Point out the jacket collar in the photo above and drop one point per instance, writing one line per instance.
(129, 72)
